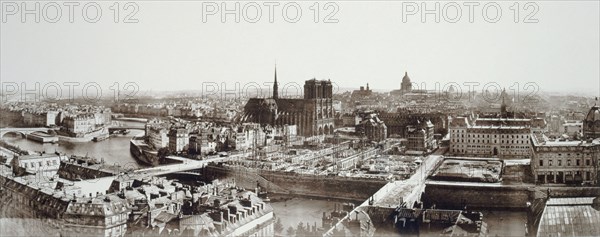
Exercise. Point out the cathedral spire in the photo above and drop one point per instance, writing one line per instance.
(275, 86)
(503, 112)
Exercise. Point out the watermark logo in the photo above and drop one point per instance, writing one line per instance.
(53, 91)
(490, 92)
(55, 12)
(254, 12)
(236, 91)
(455, 12)
(242, 91)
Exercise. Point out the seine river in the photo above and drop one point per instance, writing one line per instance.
(113, 150)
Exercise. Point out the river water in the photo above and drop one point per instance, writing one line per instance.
(113, 150)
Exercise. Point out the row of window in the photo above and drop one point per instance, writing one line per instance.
(114, 231)
(487, 151)
(488, 136)
(561, 177)
(39, 164)
(116, 219)
(577, 154)
(512, 131)
(578, 162)
(504, 147)
(494, 141)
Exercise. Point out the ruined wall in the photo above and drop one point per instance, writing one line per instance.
(297, 184)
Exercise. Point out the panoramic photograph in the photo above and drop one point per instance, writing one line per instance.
(299, 118)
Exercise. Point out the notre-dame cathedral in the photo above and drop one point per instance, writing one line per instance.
(313, 115)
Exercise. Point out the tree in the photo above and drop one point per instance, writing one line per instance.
(301, 230)
(290, 231)
(162, 153)
(278, 226)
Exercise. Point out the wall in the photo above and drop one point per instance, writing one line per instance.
(297, 184)
(453, 196)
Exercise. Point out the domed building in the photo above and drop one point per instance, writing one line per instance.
(591, 123)
(406, 85)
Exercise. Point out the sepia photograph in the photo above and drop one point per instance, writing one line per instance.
(306, 118)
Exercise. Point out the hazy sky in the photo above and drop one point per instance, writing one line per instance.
(171, 48)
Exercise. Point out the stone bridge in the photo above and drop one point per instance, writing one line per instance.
(125, 127)
(186, 165)
(22, 131)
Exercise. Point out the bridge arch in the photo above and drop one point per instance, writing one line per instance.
(22, 131)
(3, 133)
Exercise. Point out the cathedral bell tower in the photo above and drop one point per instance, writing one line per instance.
(275, 86)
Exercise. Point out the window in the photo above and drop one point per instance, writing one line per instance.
(587, 162)
(568, 162)
(559, 162)
(541, 162)
(578, 162)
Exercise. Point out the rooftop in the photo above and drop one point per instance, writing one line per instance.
(568, 143)
(469, 169)
(499, 127)
(570, 217)
(42, 156)
(503, 119)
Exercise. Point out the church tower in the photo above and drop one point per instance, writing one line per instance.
(503, 112)
(591, 123)
(275, 86)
